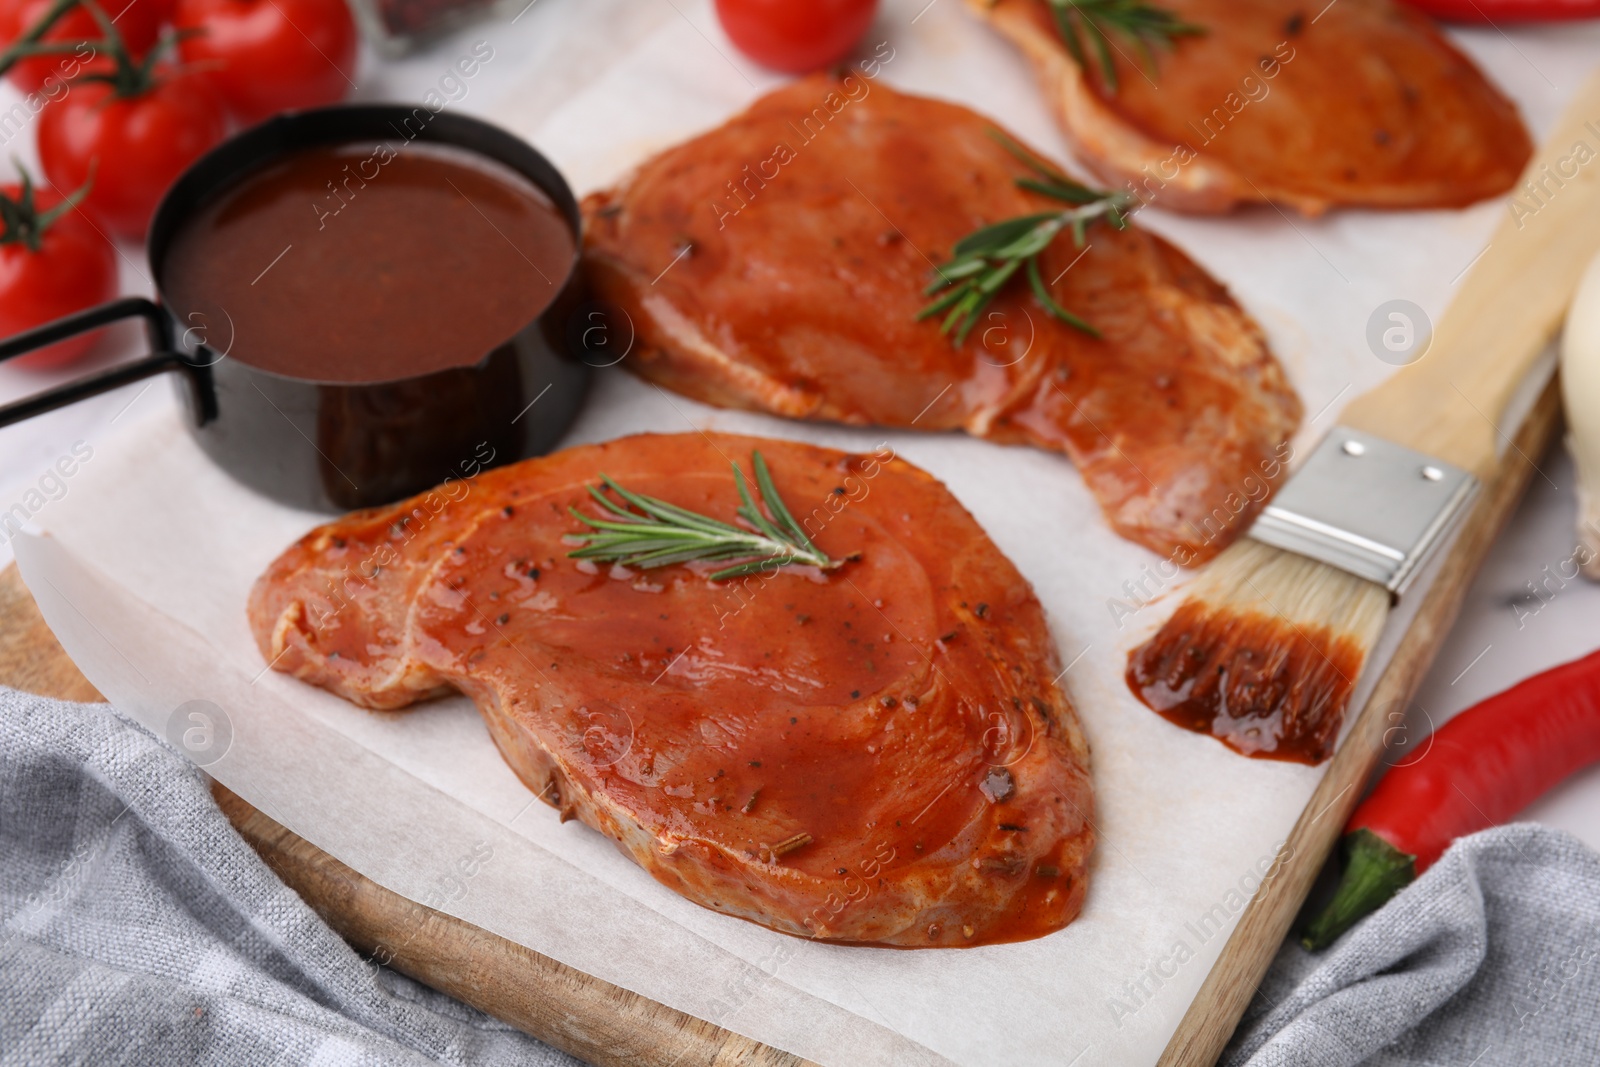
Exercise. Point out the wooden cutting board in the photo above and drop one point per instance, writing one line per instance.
(607, 1025)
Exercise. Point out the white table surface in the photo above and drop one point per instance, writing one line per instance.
(1504, 633)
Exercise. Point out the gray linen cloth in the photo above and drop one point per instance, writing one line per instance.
(1490, 958)
(139, 928)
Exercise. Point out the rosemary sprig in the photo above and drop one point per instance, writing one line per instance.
(645, 532)
(1146, 26)
(984, 261)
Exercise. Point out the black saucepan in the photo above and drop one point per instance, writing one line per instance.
(324, 444)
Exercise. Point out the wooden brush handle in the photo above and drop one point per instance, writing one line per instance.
(1450, 403)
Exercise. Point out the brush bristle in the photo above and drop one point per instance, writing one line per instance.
(1263, 653)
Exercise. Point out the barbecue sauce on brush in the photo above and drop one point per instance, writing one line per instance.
(366, 263)
(1203, 672)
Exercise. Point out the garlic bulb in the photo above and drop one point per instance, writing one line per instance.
(1580, 394)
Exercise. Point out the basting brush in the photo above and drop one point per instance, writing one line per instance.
(1267, 646)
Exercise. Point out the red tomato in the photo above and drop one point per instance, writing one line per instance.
(133, 147)
(73, 268)
(267, 56)
(796, 36)
(139, 23)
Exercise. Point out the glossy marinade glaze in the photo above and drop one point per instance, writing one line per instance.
(1205, 671)
(778, 263)
(876, 754)
(1314, 105)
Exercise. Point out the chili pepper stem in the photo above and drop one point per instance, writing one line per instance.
(1374, 871)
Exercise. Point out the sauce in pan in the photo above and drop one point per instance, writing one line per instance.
(360, 263)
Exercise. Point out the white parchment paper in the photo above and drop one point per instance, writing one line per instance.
(145, 563)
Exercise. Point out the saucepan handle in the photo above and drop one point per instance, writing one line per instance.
(158, 338)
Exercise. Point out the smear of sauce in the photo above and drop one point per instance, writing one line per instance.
(1260, 686)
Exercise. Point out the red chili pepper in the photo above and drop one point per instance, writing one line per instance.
(1482, 767)
(1482, 11)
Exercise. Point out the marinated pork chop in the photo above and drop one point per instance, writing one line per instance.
(778, 263)
(874, 754)
(1313, 105)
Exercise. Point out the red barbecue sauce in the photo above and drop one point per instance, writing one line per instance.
(1259, 685)
(368, 262)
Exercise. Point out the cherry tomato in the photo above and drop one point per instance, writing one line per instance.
(132, 146)
(138, 22)
(267, 56)
(51, 270)
(796, 36)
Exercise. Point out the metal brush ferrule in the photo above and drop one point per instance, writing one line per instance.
(1368, 506)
